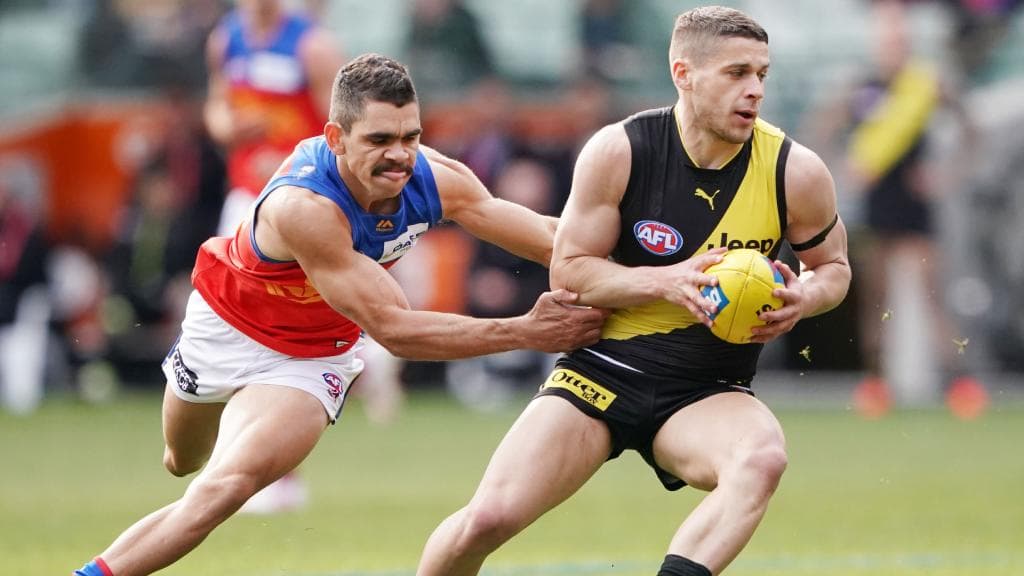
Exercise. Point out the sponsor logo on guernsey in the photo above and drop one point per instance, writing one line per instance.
(385, 225)
(700, 193)
(763, 245)
(183, 375)
(586, 389)
(395, 249)
(335, 386)
(305, 171)
(305, 294)
(657, 238)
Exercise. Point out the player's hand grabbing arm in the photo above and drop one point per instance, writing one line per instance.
(589, 230)
(297, 224)
(508, 225)
(825, 279)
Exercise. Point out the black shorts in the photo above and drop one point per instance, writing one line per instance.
(633, 405)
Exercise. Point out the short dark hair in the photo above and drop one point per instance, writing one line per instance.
(369, 77)
(696, 30)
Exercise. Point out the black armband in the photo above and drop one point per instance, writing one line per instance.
(818, 238)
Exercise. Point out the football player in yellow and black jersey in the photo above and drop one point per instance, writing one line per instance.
(656, 199)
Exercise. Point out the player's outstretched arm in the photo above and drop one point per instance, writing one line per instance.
(467, 202)
(589, 229)
(818, 237)
(298, 224)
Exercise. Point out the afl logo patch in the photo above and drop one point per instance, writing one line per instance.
(657, 238)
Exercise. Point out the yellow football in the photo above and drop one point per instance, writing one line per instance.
(746, 279)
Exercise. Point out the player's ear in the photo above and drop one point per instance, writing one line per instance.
(334, 134)
(681, 74)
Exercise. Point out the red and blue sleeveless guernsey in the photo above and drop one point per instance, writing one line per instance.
(272, 301)
(268, 81)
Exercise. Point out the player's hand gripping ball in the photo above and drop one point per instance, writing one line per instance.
(746, 279)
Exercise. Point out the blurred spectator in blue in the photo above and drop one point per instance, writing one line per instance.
(446, 49)
(885, 119)
(270, 76)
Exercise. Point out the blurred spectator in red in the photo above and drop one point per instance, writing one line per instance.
(270, 80)
(271, 73)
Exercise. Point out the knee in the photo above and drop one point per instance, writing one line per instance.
(762, 467)
(488, 524)
(179, 466)
(221, 496)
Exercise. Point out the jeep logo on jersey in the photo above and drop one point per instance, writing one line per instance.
(657, 238)
(763, 245)
(394, 249)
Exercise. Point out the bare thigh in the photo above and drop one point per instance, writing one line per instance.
(547, 455)
(265, 432)
(190, 431)
(700, 440)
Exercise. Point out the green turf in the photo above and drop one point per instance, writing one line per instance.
(917, 493)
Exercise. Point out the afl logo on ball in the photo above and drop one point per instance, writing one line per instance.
(657, 238)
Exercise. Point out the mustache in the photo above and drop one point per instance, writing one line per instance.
(392, 167)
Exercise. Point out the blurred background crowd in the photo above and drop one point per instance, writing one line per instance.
(110, 180)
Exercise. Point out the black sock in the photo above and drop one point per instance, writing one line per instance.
(678, 566)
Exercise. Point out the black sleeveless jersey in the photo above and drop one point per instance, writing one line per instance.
(671, 210)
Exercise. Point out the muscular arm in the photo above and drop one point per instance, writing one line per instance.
(811, 202)
(511, 226)
(297, 224)
(589, 230)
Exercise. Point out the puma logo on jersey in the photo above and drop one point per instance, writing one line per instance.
(700, 193)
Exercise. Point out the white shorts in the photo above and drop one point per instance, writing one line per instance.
(212, 360)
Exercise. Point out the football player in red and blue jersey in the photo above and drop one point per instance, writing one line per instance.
(267, 352)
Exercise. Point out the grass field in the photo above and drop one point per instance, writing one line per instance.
(916, 493)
